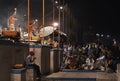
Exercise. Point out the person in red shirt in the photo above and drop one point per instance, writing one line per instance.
(12, 20)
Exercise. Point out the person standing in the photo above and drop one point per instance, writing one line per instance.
(12, 20)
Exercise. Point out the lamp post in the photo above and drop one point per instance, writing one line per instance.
(59, 19)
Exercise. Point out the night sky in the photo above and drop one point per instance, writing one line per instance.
(102, 15)
(108, 18)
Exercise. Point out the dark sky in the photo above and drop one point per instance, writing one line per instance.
(108, 17)
(103, 15)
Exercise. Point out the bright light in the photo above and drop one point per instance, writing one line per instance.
(97, 34)
(55, 24)
(61, 7)
(56, 2)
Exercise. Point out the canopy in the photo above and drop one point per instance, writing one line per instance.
(47, 31)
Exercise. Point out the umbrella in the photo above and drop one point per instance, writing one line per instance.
(47, 31)
(63, 36)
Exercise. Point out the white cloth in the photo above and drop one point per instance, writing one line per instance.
(90, 63)
(30, 59)
(101, 58)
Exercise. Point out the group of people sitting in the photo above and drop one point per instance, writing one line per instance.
(89, 57)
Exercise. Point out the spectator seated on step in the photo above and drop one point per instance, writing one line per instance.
(30, 62)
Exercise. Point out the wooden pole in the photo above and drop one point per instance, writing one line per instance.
(63, 17)
(43, 19)
(53, 20)
(29, 21)
(59, 25)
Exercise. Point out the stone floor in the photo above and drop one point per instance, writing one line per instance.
(81, 76)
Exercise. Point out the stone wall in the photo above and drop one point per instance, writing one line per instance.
(11, 53)
(43, 57)
(56, 57)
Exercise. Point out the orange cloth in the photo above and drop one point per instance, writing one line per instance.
(30, 28)
(11, 20)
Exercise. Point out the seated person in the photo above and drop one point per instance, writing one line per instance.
(72, 63)
(30, 61)
(90, 63)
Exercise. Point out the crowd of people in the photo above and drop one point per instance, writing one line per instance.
(92, 56)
